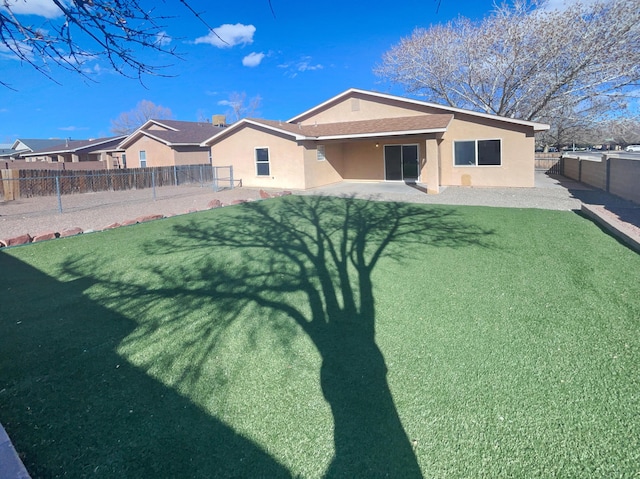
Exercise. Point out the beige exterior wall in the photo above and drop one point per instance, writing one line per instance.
(158, 154)
(191, 155)
(286, 158)
(517, 148)
(363, 161)
(323, 172)
(361, 107)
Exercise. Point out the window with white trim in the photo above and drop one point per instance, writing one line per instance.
(320, 153)
(262, 162)
(143, 159)
(477, 153)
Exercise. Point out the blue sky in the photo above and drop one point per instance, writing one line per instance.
(307, 53)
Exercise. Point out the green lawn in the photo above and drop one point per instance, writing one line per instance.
(315, 337)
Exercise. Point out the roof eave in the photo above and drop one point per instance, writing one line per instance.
(377, 135)
(208, 142)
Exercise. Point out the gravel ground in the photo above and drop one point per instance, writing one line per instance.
(96, 211)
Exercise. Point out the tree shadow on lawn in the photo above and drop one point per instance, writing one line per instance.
(74, 407)
(303, 262)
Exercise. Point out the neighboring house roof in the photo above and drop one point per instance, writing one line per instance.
(33, 144)
(536, 126)
(178, 133)
(75, 146)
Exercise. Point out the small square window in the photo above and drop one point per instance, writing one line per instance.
(320, 153)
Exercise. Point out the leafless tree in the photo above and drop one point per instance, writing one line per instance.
(129, 121)
(240, 107)
(76, 31)
(525, 61)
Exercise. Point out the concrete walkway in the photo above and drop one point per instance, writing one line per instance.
(620, 217)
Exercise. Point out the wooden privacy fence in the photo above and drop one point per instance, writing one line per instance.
(548, 162)
(16, 184)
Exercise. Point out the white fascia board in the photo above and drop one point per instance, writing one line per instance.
(136, 135)
(159, 123)
(377, 135)
(235, 126)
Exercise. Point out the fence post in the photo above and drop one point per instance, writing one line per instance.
(215, 178)
(231, 176)
(11, 184)
(175, 175)
(153, 182)
(201, 177)
(58, 194)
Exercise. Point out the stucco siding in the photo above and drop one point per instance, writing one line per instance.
(322, 172)
(191, 155)
(286, 158)
(158, 154)
(517, 154)
(362, 108)
(363, 161)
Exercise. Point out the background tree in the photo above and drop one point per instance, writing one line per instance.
(129, 121)
(80, 30)
(240, 107)
(527, 62)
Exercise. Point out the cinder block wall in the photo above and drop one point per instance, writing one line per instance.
(624, 175)
(624, 179)
(594, 173)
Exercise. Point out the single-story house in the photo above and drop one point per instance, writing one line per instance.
(369, 136)
(74, 151)
(24, 146)
(168, 143)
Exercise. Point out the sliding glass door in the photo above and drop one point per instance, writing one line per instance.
(401, 162)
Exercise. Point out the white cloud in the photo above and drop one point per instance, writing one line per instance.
(227, 36)
(302, 65)
(72, 128)
(42, 8)
(253, 59)
(226, 103)
(7, 53)
(305, 66)
(163, 39)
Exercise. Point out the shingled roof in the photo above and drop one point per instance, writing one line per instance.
(365, 128)
(178, 132)
(73, 146)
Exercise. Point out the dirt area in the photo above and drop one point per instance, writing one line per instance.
(96, 211)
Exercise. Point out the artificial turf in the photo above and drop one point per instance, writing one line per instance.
(317, 337)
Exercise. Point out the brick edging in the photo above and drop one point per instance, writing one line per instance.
(611, 224)
(49, 235)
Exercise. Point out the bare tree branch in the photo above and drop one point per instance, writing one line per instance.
(525, 61)
(83, 30)
(129, 121)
